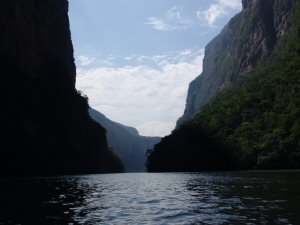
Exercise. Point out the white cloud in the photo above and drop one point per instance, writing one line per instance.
(211, 15)
(148, 97)
(109, 61)
(155, 128)
(173, 20)
(95, 60)
(129, 57)
(174, 13)
(159, 24)
(186, 52)
(84, 60)
(233, 4)
(218, 9)
(185, 55)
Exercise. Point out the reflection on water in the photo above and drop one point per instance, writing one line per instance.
(39, 200)
(174, 198)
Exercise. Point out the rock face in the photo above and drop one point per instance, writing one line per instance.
(254, 123)
(126, 142)
(45, 125)
(35, 36)
(244, 43)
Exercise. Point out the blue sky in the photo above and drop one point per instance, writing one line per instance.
(135, 58)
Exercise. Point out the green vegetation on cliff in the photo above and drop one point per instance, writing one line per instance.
(245, 43)
(255, 122)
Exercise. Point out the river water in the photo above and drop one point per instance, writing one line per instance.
(141, 198)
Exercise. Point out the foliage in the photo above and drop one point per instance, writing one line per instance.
(180, 152)
(257, 119)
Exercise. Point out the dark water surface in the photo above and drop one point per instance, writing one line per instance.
(173, 198)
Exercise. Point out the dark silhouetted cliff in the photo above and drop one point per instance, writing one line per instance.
(45, 125)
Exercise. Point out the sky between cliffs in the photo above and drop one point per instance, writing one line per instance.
(135, 58)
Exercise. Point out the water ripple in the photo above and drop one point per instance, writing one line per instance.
(174, 198)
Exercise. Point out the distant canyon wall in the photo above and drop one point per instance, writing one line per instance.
(126, 142)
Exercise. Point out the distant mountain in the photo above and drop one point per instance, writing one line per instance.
(126, 142)
(243, 112)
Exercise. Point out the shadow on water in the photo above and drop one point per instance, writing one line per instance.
(42, 200)
(247, 197)
(168, 198)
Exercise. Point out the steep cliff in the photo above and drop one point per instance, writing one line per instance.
(246, 42)
(45, 125)
(126, 142)
(254, 122)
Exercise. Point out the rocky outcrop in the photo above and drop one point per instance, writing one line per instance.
(243, 44)
(45, 125)
(35, 35)
(254, 123)
(126, 142)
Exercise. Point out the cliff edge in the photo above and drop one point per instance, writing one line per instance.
(45, 125)
(244, 43)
